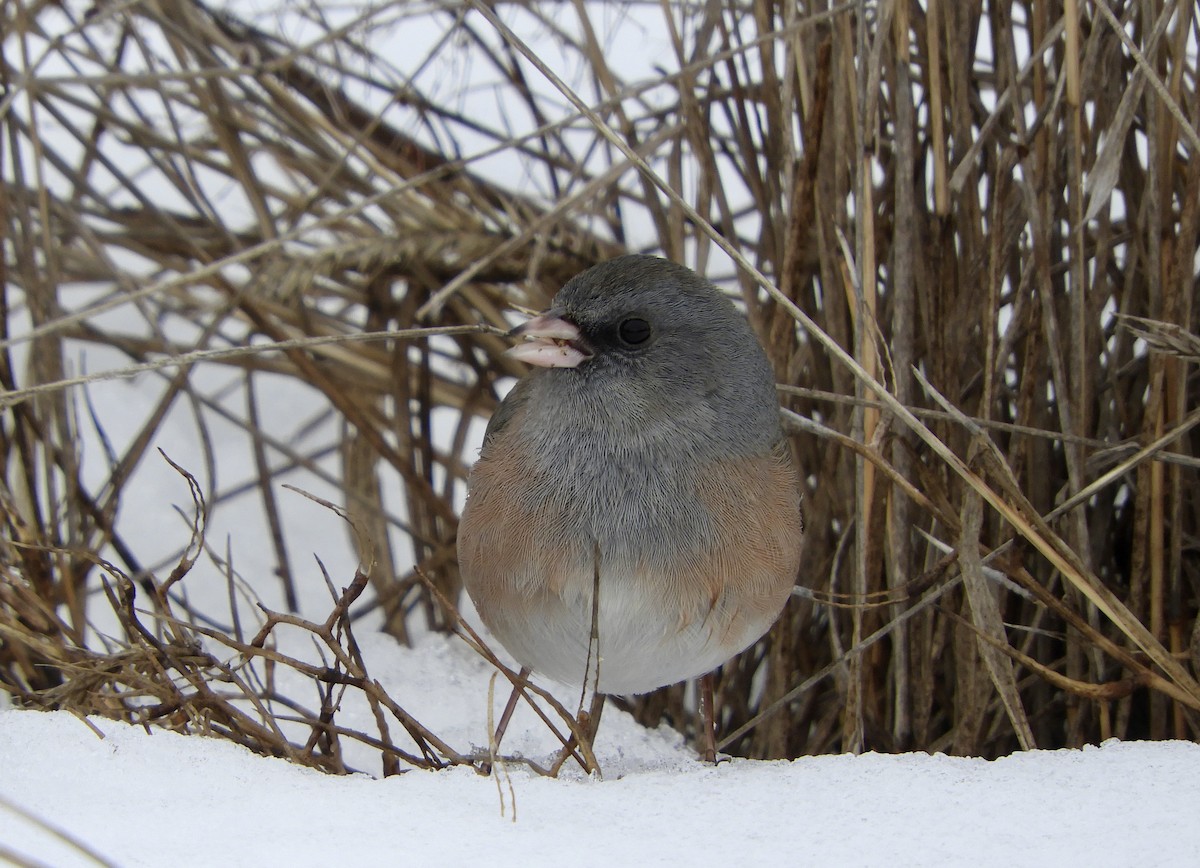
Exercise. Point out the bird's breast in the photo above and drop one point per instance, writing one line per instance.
(692, 559)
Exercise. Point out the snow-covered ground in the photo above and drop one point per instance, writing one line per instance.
(139, 798)
(134, 797)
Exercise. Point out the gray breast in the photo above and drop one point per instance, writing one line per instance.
(628, 485)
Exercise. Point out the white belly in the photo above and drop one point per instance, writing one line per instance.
(643, 641)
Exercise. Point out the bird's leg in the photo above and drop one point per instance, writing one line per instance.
(509, 708)
(588, 724)
(707, 738)
(590, 720)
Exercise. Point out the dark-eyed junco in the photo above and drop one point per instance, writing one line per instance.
(642, 456)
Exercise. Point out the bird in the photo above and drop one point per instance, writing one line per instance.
(634, 516)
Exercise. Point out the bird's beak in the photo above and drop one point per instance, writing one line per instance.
(550, 342)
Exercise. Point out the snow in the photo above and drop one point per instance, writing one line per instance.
(151, 798)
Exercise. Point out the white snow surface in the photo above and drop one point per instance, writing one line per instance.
(141, 797)
(153, 798)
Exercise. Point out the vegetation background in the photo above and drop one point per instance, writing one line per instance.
(966, 232)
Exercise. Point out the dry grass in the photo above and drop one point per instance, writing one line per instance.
(967, 235)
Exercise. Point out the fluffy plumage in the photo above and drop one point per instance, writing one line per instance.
(648, 435)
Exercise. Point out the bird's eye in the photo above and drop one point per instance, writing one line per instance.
(634, 331)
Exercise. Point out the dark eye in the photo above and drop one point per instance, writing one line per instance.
(634, 331)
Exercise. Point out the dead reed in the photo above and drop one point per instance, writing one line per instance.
(966, 232)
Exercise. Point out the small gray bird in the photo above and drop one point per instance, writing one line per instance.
(645, 444)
